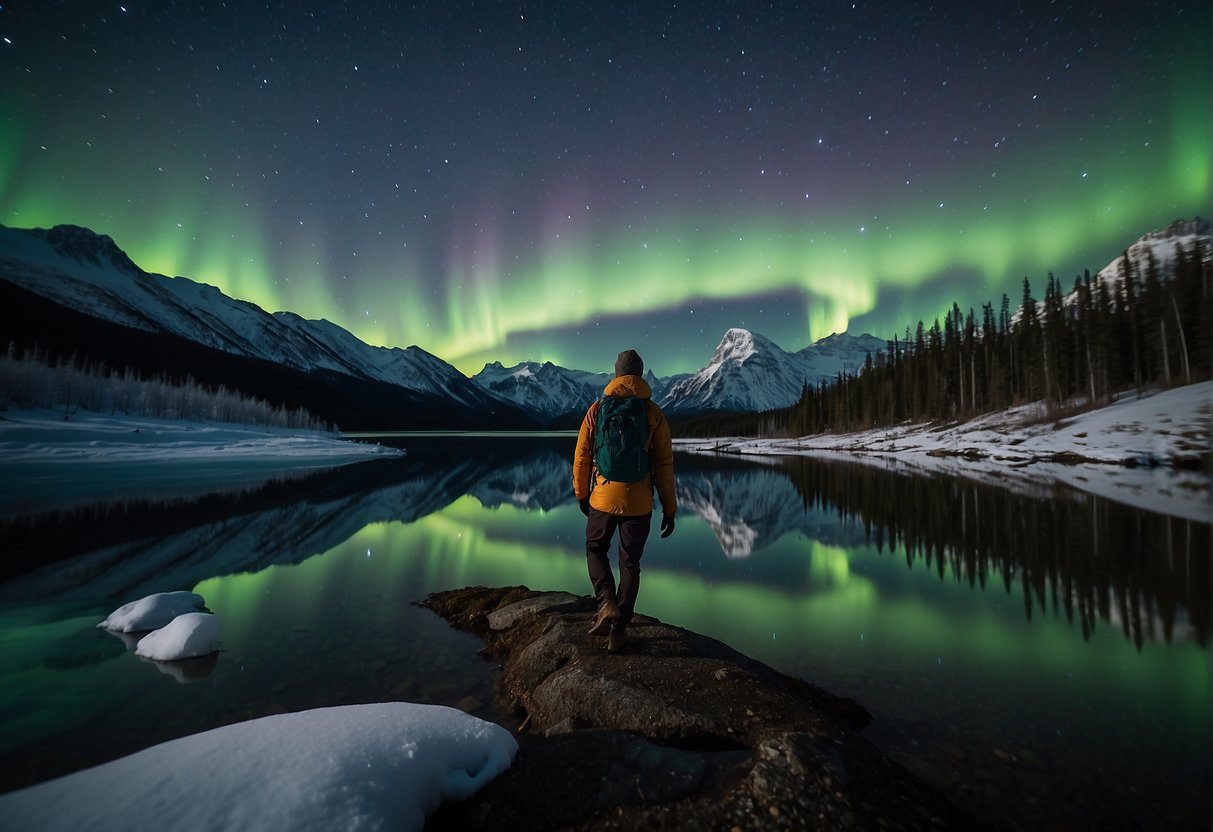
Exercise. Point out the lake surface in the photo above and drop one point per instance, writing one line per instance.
(1041, 656)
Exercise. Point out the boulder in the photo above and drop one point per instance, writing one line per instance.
(678, 730)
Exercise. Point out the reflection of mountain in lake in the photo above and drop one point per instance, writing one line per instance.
(150, 547)
(541, 482)
(749, 507)
(1070, 554)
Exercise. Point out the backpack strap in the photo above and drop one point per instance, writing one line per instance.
(648, 442)
(594, 411)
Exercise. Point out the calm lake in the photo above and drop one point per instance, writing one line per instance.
(1041, 658)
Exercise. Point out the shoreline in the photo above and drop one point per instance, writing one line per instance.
(1144, 451)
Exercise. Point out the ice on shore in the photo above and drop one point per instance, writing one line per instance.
(44, 437)
(47, 463)
(381, 766)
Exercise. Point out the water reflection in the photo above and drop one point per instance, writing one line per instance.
(1069, 553)
(187, 671)
(1009, 644)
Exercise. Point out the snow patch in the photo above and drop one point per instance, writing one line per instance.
(187, 636)
(46, 437)
(152, 612)
(380, 766)
(1139, 450)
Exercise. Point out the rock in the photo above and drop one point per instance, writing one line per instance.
(468, 704)
(678, 731)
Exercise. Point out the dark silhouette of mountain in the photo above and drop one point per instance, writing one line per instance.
(70, 293)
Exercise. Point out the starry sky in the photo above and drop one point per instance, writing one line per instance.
(562, 180)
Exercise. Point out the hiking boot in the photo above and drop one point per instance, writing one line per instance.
(617, 640)
(608, 613)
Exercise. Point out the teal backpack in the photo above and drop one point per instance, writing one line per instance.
(620, 440)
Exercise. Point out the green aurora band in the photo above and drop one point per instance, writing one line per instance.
(1025, 213)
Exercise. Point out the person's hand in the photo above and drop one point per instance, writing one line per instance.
(584, 505)
(667, 525)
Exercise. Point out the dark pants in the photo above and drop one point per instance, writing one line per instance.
(633, 532)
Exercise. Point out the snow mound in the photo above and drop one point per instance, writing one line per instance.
(185, 637)
(383, 766)
(152, 612)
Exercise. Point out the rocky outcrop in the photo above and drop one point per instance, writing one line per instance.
(676, 731)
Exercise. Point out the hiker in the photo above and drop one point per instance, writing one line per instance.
(623, 450)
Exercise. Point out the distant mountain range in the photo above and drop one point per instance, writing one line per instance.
(747, 373)
(71, 292)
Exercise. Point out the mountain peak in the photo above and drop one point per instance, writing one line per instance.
(737, 345)
(87, 246)
(1158, 244)
(737, 336)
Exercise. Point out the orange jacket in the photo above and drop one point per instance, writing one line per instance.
(626, 498)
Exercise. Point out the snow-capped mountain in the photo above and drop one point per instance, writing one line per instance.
(1161, 245)
(546, 390)
(323, 367)
(89, 273)
(556, 395)
(838, 353)
(751, 373)
(660, 386)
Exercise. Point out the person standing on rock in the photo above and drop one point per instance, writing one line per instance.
(623, 451)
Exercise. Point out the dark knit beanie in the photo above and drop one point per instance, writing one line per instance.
(629, 364)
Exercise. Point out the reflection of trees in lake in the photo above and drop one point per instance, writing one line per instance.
(1072, 553)
(133, 547)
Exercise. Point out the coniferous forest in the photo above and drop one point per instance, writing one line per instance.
(1080, 346)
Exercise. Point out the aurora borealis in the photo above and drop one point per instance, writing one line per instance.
(558, 181)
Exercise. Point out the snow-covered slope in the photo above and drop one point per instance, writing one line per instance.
(839, 353)
(81, 270)
(659, 386)
(554, 393)
(749, 372)
(1143, 451)
(1159, 244)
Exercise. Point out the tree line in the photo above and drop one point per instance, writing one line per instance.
(1147, 328)
(29, 380)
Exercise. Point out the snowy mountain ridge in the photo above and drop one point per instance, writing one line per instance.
(89, 273)
(747, 372)
(549, 391)
(1158, 244)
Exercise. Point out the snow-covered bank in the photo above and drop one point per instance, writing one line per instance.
(46, 438)
(1127, 451)
(383, 766)
(46, 460)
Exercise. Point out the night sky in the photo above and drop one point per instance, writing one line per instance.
(560, 181)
